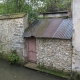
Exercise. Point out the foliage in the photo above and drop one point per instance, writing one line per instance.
(1, 8)
(13, 57)
(58, 5)
(15, 6)
(33, 8)
(32, 17)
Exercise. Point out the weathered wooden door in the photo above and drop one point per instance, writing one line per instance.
(32, 49)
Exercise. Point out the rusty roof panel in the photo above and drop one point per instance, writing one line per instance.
(54, 23)
(39, 31)
(52, 28)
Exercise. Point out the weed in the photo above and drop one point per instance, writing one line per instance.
(13, 57)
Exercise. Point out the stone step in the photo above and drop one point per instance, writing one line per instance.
(31, 65)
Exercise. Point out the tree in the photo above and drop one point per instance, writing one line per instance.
(33, 7)
(15, 6)
(58, 5)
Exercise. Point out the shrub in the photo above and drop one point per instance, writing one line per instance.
(13, 57)
(32, 17)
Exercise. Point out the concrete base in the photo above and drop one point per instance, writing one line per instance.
(31, 65)
(34, 67)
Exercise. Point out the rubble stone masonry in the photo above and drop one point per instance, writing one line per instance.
(54, 53)
(11, 33)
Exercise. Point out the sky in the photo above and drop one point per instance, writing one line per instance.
(1, 1)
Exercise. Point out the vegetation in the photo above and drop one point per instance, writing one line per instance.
(32, 17)
(58, 5)
(69, 76)
(34, 8)
(53, 71)
(1, 8)
(16, 6)
(13, 57)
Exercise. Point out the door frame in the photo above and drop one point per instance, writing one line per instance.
(27, 42)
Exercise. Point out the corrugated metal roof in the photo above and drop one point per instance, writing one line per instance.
(51, 28)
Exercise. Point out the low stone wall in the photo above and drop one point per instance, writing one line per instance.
(11, 33)
(54, 53)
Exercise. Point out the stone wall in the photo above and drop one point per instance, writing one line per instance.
(54, 53)
(11, 33)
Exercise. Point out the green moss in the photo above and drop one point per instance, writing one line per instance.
(54, 72)
(12, 16)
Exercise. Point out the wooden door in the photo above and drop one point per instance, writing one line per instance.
(32, 49)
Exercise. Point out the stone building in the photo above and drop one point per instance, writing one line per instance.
(49, 43)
